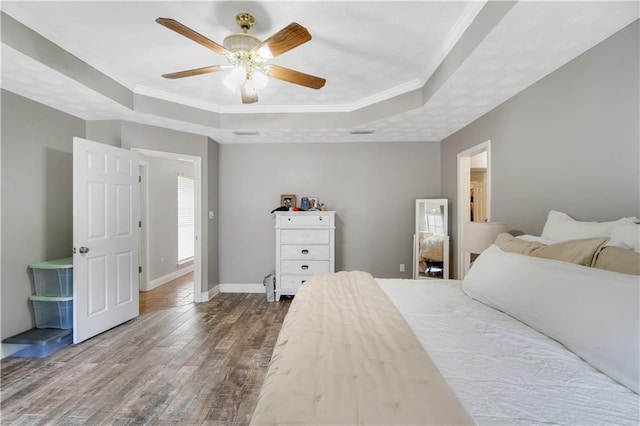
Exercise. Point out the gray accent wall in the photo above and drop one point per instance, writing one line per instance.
(371, 186)
(570, 142)
(37, 199)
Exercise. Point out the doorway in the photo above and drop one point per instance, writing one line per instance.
(146, 213)
(474, 195)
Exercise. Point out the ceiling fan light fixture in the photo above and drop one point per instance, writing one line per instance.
(240, 42)
(264, 52)
(235, 78)
(246, 55)
(249, 93)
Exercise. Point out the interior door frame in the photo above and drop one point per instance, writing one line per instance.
(197, 252)
(464, 187)
(144, 218)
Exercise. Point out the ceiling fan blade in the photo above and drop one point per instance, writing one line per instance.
(176, 26)
(248, 96)
(293, 35)
(195, 71)
(295, 77)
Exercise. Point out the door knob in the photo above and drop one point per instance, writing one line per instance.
(84, 250)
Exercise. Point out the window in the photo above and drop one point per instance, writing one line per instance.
(186, 229)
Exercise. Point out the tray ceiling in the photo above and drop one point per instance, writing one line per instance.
(395, 71)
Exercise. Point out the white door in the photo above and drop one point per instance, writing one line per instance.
(105, 237)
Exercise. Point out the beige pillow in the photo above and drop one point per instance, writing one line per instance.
(618, 259)
(581, 252)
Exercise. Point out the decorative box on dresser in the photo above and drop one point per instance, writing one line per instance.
(305, 245)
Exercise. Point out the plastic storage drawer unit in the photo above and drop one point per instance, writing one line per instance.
(53, 312)
(54, 277)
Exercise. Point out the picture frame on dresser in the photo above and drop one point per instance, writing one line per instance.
(314, 203)
(288, 198)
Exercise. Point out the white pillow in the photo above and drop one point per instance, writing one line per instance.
(593, 312)
(626, 235)
(562, 227)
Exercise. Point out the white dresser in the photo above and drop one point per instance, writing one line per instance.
(305, 245)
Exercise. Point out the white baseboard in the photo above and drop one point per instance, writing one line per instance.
(166, 278)
(208, 295)
(241, 288)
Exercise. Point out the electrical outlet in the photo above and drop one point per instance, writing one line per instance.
(402, 267)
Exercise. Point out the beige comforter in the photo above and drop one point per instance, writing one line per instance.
(346, 356)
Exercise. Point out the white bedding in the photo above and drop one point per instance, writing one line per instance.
(503, 371)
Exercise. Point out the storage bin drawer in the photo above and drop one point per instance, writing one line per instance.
(304, 236)
(304, 252)
(53, 312)
(291, 283)
(304, 266)
(54, 277)
(305, 220)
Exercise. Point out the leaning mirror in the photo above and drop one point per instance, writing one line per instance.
(431, 240)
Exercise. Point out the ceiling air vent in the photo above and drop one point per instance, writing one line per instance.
(246, 133)
(361, 132)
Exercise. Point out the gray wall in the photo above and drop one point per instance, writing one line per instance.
(162, 229)
(165, 140)
(37, 199)
(570, 142)
(371, 186)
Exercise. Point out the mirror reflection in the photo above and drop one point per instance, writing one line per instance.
(431, 240)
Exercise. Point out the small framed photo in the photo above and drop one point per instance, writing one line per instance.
(314, 203)
(288, 200)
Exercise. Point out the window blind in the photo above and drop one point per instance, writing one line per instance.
(186, 230)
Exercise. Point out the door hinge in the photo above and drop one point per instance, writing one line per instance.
(139, 269)
(139, 178)
(139, 224)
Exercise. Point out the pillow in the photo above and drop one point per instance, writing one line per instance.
(618, 259)
(581, 252)
(562, 227)
(626, 235)
(593, 312)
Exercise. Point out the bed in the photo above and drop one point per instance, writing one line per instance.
(533, 335)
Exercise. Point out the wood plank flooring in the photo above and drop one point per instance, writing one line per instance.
(190, 364)
(178, 292)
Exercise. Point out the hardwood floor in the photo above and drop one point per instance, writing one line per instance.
(190, 364)
(178, 292)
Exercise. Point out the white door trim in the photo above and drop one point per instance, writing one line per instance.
(144, 218)
(464, 187)
(197, 255)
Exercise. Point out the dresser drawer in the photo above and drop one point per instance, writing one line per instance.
(304, 252)
(303, 266)
(305, 220)
(291, 283)
(304, 236)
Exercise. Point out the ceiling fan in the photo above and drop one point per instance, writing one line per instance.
(247, 56)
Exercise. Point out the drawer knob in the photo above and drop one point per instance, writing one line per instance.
(305, 251)
(305, 267)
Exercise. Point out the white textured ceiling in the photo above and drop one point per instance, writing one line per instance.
(380, 60)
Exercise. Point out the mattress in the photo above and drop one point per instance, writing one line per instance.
(503, 371)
